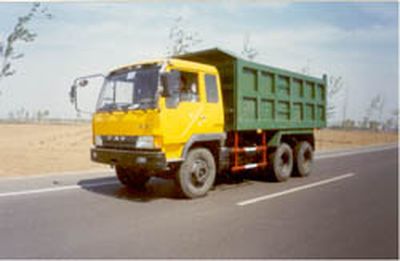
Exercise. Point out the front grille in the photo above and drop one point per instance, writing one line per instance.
(119, 142)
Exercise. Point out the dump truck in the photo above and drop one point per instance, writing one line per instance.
(198, 115)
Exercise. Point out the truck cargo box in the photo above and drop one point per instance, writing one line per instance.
(257, 96)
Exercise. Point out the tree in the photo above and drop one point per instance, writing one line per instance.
(20, 114)
(395, 114)
(248, 51)
(20, 34)
(335, 85)
(334, 89)
(375, 109)
(42, 115)
(181, 40)
(393, 121)
(307, 69)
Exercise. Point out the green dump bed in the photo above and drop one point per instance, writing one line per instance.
(262, 97)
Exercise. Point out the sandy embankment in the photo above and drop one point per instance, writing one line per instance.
(328, 139)
(29, 149)
(34, 149)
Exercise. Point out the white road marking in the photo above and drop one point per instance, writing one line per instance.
(61, 188)
(292, 190)
(354, 152)
(329, 154)
(45, 190)
(58, 174)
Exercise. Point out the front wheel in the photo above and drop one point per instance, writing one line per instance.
(196, 175)
(131, 178)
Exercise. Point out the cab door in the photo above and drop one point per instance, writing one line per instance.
(213, 115)
(185, 117)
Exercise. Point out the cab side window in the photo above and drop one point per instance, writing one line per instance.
(188, 87)
(211, 88)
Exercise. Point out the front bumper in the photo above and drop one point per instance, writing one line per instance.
(146, 160)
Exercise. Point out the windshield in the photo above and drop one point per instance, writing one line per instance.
(130, 90)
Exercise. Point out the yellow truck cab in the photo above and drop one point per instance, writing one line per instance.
(165, 118)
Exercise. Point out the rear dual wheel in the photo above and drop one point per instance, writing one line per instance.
(285, 162)
(282, 162)
(303, 153)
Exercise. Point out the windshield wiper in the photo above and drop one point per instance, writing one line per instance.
(131, 106)
(147, 103)
(108, 107)
(113, 106)
(142, 104)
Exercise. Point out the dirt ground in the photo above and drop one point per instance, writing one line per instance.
(328, 139)
(36, 149)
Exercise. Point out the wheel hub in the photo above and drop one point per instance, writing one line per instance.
(199, 172)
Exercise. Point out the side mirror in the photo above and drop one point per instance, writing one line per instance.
(78, 83)
(83, 82)
(72, 94)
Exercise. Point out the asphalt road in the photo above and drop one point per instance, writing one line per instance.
(348, 208)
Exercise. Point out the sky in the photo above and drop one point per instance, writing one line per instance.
(356, 41)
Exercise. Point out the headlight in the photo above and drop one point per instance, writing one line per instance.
(145, 142)
(98, 141)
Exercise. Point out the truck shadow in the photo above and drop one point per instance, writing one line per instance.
(156, 188)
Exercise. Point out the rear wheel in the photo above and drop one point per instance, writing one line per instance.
(282, 162)
(196, 175)
(303, 155)
(131, 178)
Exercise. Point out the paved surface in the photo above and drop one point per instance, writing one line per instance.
(348, 208)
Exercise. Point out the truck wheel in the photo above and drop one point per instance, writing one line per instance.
(282, 162)
(196, 175)
(131, 178)
(303, 155)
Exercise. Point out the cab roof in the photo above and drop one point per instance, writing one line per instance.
(180, 63)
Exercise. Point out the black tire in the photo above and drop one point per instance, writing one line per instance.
(282, 163)
(196, 175)
(303, 156)
(131, 178)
